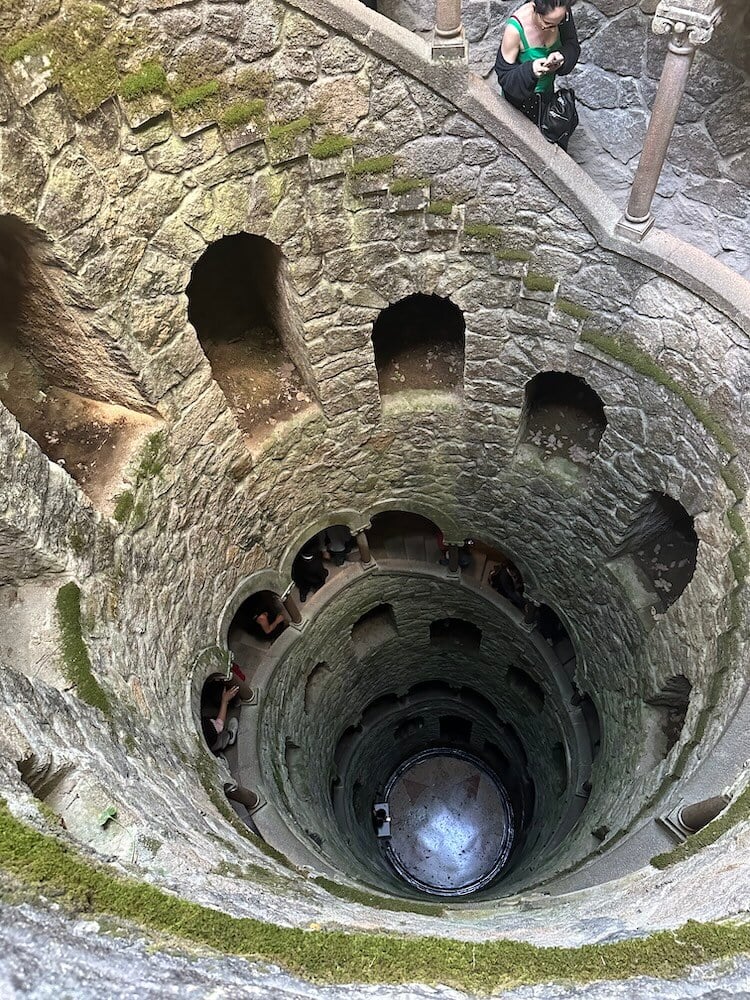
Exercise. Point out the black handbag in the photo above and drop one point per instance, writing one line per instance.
(556, 115)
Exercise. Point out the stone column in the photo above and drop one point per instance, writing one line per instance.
(690, 24)
(449, 41)
(453, 558)
(694, 817)
(363, 545)
(292, 608)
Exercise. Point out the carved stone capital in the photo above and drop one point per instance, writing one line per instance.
(693, 19)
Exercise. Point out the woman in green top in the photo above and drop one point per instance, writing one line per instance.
(539, 43)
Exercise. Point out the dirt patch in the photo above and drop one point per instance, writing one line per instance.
(563, 432)
(258, 378)
(421, 366)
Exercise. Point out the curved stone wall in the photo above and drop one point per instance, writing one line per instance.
(129, 198)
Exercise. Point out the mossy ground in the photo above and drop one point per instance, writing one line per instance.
(45, 863)
(76, 664)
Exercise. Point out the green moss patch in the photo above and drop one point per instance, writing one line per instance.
(372, 165)
(254, 82)
(483, 231)
(90, 82)
(738, 811)
(329, 146)
(539, 283)
(402, 185)
(26, 46)
(282, 131)
(149, 79)
(572, 309)
(242, 113)
(76, 664)
(193, 97)
(47, 864)
(354, 895)
(440, 206)
(123, 507)
(520, 256)
(152, 458)
(640, 362)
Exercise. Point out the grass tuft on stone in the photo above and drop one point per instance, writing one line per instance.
(194, 96)
(633, 357)
(520, 256)
(149, 79)
(354, 895)
(372, 165)
(46, 864)
(243, 112)
(572, 309)
(737, 811)
(123, 507)
(483, 231)
(539, 282)
(440, 206)
(28, 45)
(283, 131)
(76, 664)
(403, 185)
(330, 145)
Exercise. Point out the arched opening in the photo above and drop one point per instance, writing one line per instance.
(258, 622)
(672, 701)
(562, 418)
(662, 546)
(456, 633)
(239, 304)
(398, 534)
(58, 381)
(419, 344)
(526, 688)
(373, 628)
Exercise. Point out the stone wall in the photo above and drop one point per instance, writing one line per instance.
(702, 195)
(526, 248)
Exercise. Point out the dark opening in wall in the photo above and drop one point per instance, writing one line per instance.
(240, 306)
(455, 729)
(562, 417)
(259, 620)
(590, 717)
(455, 632)
(526, 688)
(663, 546)
(409, 727)
(559, 763)
(76, 401)
(398, 534)
(419, 344)
(673, 701)
(374, 628)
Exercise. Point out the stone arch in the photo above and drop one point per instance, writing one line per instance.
(562, 417)
(244, 312)
(418, 343)
(347, 516)
(263, 579)
(78, 403)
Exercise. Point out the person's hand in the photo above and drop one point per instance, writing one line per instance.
(230, 693)
(554, 61)
(539, 67)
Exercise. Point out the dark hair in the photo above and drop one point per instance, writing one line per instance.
(547, 6)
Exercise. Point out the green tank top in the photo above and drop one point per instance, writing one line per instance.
(528, 54)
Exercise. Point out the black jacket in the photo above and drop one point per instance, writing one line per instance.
(517, 79)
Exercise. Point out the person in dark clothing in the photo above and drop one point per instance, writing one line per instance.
(218, 696)
(308, 571)
(372, 4)
(540, 42)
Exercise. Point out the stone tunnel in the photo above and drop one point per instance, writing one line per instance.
(289, 280)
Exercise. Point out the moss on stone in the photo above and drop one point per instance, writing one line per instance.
(403, 185)
(149, 79)
(42, 861)
(91, 81)
(26, 46)
(242, 113)
(640, 362)
(733, 482)
(441, 206)
(483, 231)
(539, 282)
(372, 165)
(152, 458)
(330, 145)
(76, 664)
(195, 95)
(76, 541)
(572, 309)
(738, 811)
(123, 507)
(354, 895)
(282, 131)
(521, 256)
(254, 82)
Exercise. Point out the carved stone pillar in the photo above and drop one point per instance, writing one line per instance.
(690, 24)
(363, 545)
(449, 41)
(292, 608)
(694, 817)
